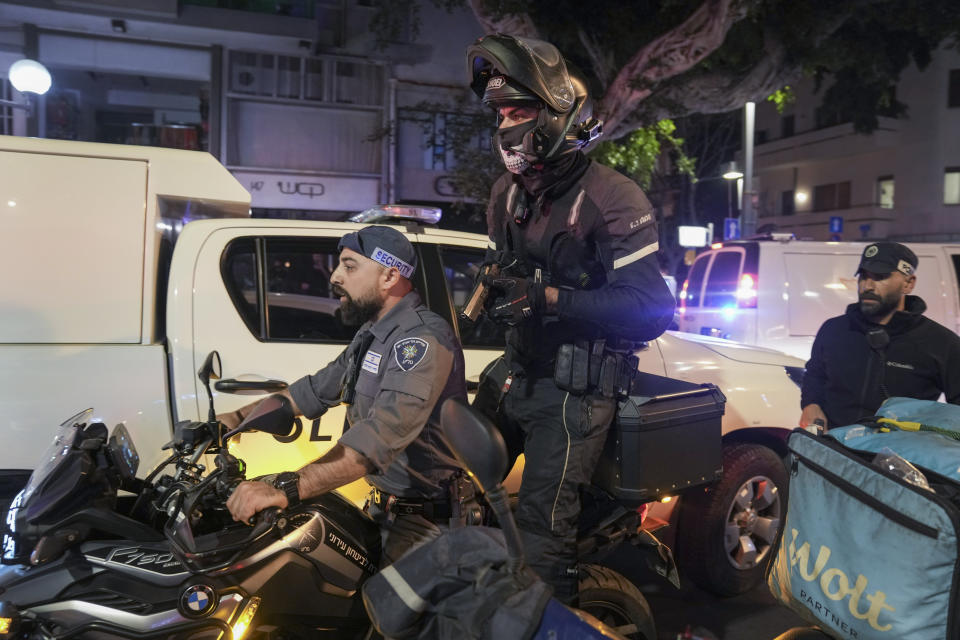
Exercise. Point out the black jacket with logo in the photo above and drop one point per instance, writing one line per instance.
(594, 236)
(850, 379)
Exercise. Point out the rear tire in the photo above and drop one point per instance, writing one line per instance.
(726, 531)
(616, 602)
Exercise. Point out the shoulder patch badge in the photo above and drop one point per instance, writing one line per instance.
(409, 352)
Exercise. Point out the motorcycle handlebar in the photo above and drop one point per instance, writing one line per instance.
(263, 521)
(193, 559)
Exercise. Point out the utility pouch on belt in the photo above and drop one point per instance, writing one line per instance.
(626, 370)
(584, 367)
(563, 368)
(596, 362)
(572, 370)
(608, 376)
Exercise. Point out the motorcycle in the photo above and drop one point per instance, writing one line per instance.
(92, 551)
(168, 560)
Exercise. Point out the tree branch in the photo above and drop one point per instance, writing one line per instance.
(602, 62)
(667, 56)
(515, 24)
(718, 92)
(722, 91)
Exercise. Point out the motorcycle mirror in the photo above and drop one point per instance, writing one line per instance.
(476, 443)
(211, 368)
(273, 415)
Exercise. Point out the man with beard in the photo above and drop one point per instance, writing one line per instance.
(881, 347)
(579, 285)
(403, 363)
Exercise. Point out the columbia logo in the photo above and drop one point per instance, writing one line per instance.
(899, 365)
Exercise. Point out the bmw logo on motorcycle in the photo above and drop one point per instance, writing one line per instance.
(198, 600)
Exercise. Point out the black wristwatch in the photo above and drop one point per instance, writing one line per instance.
(289, 483)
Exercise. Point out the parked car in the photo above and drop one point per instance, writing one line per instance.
(776, 293)
(120, 292)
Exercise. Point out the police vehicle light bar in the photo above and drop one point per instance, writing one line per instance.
(387, 212)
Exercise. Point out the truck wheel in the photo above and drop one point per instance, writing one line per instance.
(726, 532)
(616, 602)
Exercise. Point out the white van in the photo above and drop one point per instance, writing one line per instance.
(776, 293)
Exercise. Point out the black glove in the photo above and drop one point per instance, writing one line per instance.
(516, 299)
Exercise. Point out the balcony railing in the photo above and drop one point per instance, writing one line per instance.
(292, 8)
(860, 222)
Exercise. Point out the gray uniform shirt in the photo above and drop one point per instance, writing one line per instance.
(414, 363)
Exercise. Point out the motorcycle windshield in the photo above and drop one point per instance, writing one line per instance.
(62, 442)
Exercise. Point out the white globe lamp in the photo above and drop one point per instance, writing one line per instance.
(29, 76)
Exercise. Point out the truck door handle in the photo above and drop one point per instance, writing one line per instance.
(249, 386)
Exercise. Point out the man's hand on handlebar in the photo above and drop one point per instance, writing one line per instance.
(251, 497)
(812, 413)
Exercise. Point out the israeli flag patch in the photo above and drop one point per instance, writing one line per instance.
(371, 362)
(409, 352)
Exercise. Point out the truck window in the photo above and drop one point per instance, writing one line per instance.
(460, 267)
(300, 304)
(722, 283)
(292, 282)
(239, 270)
(695, 280)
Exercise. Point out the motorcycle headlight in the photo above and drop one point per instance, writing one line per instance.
(796, 374)
(242, 625)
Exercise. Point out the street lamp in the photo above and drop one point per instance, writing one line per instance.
(27, 76)
(730, 173)
(748, 213)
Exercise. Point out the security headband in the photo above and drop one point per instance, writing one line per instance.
(384, 246)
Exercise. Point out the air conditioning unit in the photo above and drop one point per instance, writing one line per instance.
(245, 78)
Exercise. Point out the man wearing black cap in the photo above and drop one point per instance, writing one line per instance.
(402, 364)
(579, 285)
(881, 347)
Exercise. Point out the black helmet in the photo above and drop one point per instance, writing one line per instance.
(512, 70)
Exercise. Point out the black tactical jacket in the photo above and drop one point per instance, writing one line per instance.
(597, 242)
(850, 379)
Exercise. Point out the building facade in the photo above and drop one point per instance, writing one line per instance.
(296, 97)
(819, 179)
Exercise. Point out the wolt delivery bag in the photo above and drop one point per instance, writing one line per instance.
(863, 553)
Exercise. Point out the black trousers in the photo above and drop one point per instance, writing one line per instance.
(561, 436)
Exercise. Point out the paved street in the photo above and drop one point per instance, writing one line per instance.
(751, 616)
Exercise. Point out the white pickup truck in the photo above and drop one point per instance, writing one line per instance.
(124, 266)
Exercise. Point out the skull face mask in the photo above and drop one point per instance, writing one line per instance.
(509, 141)
(514, 162)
